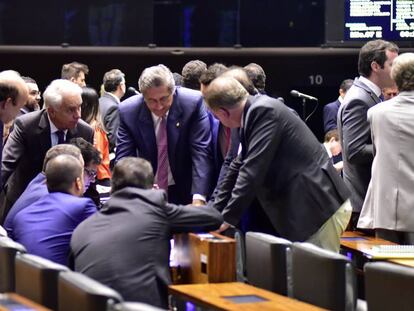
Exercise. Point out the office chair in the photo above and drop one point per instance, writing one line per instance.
(133, 306)
(323, 278)
(81, 293)
(8, 251)
(37, 279)
(389, 286)
(264, 250)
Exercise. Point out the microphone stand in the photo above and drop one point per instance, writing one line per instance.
(304, 109)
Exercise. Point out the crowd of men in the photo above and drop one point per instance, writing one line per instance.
(204, 150)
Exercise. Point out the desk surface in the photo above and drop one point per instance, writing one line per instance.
(24, 301)
(210, 295)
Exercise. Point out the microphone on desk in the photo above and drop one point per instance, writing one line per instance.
(133, 90)
(295, 93)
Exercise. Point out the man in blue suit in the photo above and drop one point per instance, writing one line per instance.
(45, 227)
(330, 111)
(169, 127)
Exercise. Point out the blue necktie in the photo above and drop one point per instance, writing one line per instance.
(61, 137)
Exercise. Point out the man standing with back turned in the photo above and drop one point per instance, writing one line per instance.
(374, 66)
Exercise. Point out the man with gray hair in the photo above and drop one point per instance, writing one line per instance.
(34, 133)
(114, 86)
(388, 205)
(169, 127)
(282, 165)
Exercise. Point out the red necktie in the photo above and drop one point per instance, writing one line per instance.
(162, 145)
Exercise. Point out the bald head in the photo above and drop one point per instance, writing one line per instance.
(225, 92)
(13, 95)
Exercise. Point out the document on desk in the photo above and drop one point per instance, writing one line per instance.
(390, 251)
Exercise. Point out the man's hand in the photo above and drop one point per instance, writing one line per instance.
(197, 202)
(224, 226)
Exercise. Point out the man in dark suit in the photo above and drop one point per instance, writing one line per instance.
(282, 165)
(126, 245)
(34, 133)
(374, 66)
(46, 226)
(330, 111)
(114, 86)
(169, 127)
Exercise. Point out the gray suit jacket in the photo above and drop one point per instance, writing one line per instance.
(389, 202)
(108, 107)
(25, 150)
(284, 166)
(355, 135)
(126, 245)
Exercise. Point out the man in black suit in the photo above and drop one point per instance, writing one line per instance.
(126, 245)
(281, 164)
(34, 133)
(374, 66)
(114, 86)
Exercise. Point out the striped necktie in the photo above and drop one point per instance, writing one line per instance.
(162, 146)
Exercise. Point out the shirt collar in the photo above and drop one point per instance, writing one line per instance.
(156, 119)
(115, 97)
(373, 87)
(53, 128)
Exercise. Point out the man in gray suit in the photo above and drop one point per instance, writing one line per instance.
(282, 164)
(126, 245)
(114, 86)
(389, 204)
(34, 133)
(374, 66)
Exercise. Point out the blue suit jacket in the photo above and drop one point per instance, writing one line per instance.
(189, 141)
(45, 227)
(330, 116)
(36, 189)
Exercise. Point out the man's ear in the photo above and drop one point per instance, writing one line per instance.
(332, 140)
(78, 184)
(375, 66)
(222, 112)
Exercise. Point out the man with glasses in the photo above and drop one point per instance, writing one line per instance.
(169, 127)
(34, 133)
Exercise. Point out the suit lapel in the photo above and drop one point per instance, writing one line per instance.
(374, 97)
(146, 127)
(174, 127)
(44, 129)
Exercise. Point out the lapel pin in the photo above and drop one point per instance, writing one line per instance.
(177, 124)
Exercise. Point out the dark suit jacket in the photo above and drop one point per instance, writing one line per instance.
(26, 148)
(283, 165)
(355, 135)
(110, 116)
(189, 141)
(126, 245)
(330, 116)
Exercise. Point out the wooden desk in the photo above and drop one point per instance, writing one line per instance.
(211, 296)
(21, 300)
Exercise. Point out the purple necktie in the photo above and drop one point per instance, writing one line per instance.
(162, 145)
(61, 137)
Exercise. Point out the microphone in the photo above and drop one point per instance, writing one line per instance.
(295, 93)
(133, 90)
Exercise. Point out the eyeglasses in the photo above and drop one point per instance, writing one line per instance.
(91, 173)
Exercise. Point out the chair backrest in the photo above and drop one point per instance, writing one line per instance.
(81, 293)
(389, 286)
(133, 306)
(37, 279)
(268, 261)
(8, 251)
(323, 278)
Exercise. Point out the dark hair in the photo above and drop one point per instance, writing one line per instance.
(61, 172)
(89, 153)
(112, 79)
(58, 150)
(191, 74)
(374, 51)
(29, 80)
(240, 75)
(73, 69)
(346, 85)
(331, 134)
(132, 172)
(90, 105)
(212, 72)
(257, 75)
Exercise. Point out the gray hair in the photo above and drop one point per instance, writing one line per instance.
(156, 76)
(59, 88)
(402, 72)
(225, 92)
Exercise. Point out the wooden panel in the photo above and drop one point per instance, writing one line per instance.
(20, 300)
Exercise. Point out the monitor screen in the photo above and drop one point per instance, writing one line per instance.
(364, 20)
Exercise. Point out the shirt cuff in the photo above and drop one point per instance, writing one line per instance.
(199, 197)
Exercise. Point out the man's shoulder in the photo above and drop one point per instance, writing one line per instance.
(130, 104)
(129, 196)
(31, 118)
(188, 97)
(333, 105)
